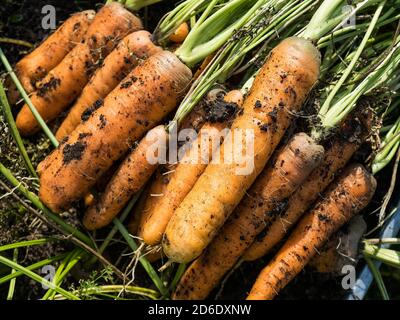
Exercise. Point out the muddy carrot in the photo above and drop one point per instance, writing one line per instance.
(34, 66)
(265, 198)
(159, 210)
(139, 103)
(342, 249)
(344, 199)
(64, 83)
(131, 51)
(339, 151)
(130, 177)
(278, 92)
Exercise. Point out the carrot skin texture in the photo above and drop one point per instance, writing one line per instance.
(63, 84)
(35, 65)
(337, 155)
(180, 33)
(278, 92)
(130, 177)
(290, 168)
(134, 48)
(344, 199)
(128, 112)
(159, 210)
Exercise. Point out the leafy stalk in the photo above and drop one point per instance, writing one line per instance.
(11, 286)
(34, 266)
(21, 244)
(379, 76)
(378, 279)
(387, 256)
(209, 35)
(183, 12)
(356, 56)
(98, 290)
(135, 5)
(63, 270)
(388, 149)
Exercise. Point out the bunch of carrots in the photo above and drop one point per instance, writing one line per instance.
(311, 90)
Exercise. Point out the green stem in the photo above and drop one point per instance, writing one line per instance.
(381, 73)
(27, 243)
(27, 100)
(387, 256)
(183, 12)
(319, 24)
(136, 5)
(378, 279)
(16, 41)
(34, 266)
(143, 261)
(113, 289)
(76, 256)
(36, 277)
(210, 34)
(178, 275)
(14, 131)
(325, 107)
(11, 287)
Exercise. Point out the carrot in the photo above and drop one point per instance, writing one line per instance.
(180, 33)
(158, 211)
(278, 92)
(194, 120)
(203, 65)
(135, 214)
(130, 177)
(338, 152)
(134, 48)
(344, 199)
(342, 249)
(64, 83)
(34, 66)
(140, 102)
(290, 168)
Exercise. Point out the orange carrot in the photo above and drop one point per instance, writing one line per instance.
(203, 65)
(290, 168)
(34, 66)
(158, 210)
(130, 177)
(279, 90)
(131, 51)
(180, 33)
(64, 83)
(344, 199)
(140, 102)
(137, 210)
(341, 250)
(338, 152)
